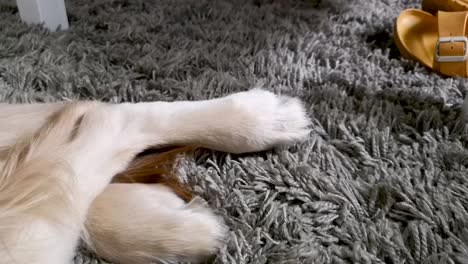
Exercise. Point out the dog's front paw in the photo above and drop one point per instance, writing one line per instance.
(267, 120)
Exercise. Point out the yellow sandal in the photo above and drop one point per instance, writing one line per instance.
(438, 42)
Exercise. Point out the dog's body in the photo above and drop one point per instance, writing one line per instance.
(57, 162)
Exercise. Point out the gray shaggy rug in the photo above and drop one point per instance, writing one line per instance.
(383, 176)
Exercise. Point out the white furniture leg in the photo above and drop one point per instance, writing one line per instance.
(50, 12)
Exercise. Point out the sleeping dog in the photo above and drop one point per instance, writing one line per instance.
(58, 162)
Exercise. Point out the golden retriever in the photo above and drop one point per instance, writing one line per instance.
(58, 161)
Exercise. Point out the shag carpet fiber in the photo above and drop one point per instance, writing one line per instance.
(383, 176)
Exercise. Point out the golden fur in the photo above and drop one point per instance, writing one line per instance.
(73, 170)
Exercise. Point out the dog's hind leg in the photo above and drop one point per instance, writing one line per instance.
(48, 183)
(135, 223)
(49, 180)
(151, 224)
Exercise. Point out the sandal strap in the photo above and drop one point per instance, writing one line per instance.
(451, 51)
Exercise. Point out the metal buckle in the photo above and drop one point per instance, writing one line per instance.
(439, 58)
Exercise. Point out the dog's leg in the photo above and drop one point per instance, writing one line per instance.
(243, 122)
(134, 223)
(49, 180)
(151, 224)
(88, 144)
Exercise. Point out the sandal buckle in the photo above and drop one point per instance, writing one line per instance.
(439, 58)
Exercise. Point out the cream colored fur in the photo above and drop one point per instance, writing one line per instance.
(57, 161)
